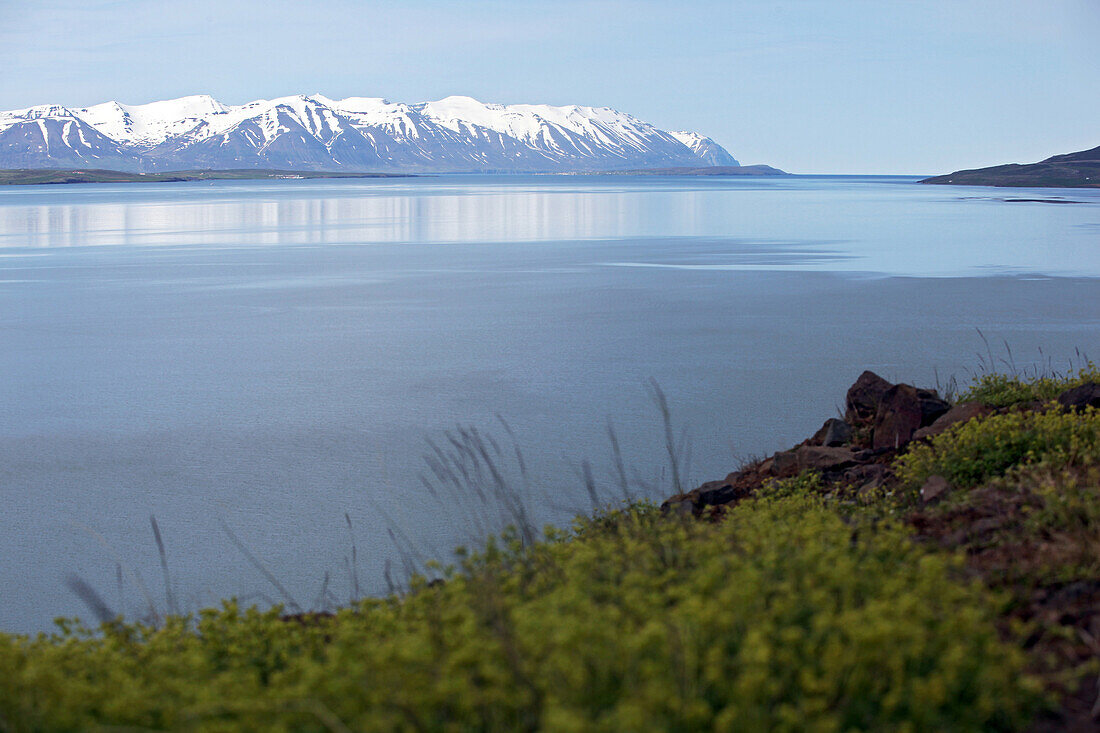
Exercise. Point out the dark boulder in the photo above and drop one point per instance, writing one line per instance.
(957, 414)
(1078, 398)
(833, 433)
(899, 416)
(827, 459)
(766, 467)
(713, 493)
(862, 401)
(902, 411)
(735, 487)
(821, 458)
(785, 463)
(932, 406)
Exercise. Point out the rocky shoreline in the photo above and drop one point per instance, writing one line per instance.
(881, 419)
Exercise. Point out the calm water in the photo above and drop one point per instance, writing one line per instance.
(275, 355)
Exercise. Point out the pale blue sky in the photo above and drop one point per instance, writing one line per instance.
(836, 86)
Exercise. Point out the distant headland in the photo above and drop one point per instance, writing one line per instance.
(1072, 170)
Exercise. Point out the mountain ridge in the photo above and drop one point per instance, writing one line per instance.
(355, 134)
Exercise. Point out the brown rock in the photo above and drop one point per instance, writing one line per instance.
(899, 416)
(833, 433)
(766, 467)
(736, 486)
(822, 458)
(785, 463)
(934, 488)
(1078, 398)
(862, 401)
(959, 413)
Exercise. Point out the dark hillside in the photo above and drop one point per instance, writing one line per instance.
(1072, 170)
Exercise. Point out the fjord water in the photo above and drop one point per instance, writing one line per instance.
(274, 355)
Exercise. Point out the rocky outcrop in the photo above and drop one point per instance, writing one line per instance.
(902, 411)
(880, 418)
(864, 397)
(897, 418)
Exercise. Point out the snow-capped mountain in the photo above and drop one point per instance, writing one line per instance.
(49, 136)
(708, 151)
(353, 134)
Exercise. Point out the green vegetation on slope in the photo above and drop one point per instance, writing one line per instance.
(781, 617)
(973, 452)
(1003, 390)
(1023, 504)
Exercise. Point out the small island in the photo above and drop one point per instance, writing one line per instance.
(1072, 170)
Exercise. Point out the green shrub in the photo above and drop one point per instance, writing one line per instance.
(972, 452)
(1002, 390)
(782, 617)
(807, 483)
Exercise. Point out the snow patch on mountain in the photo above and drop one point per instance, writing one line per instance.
(710, 152)
(147, 125)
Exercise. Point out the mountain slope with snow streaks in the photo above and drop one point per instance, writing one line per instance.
(454, 134)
